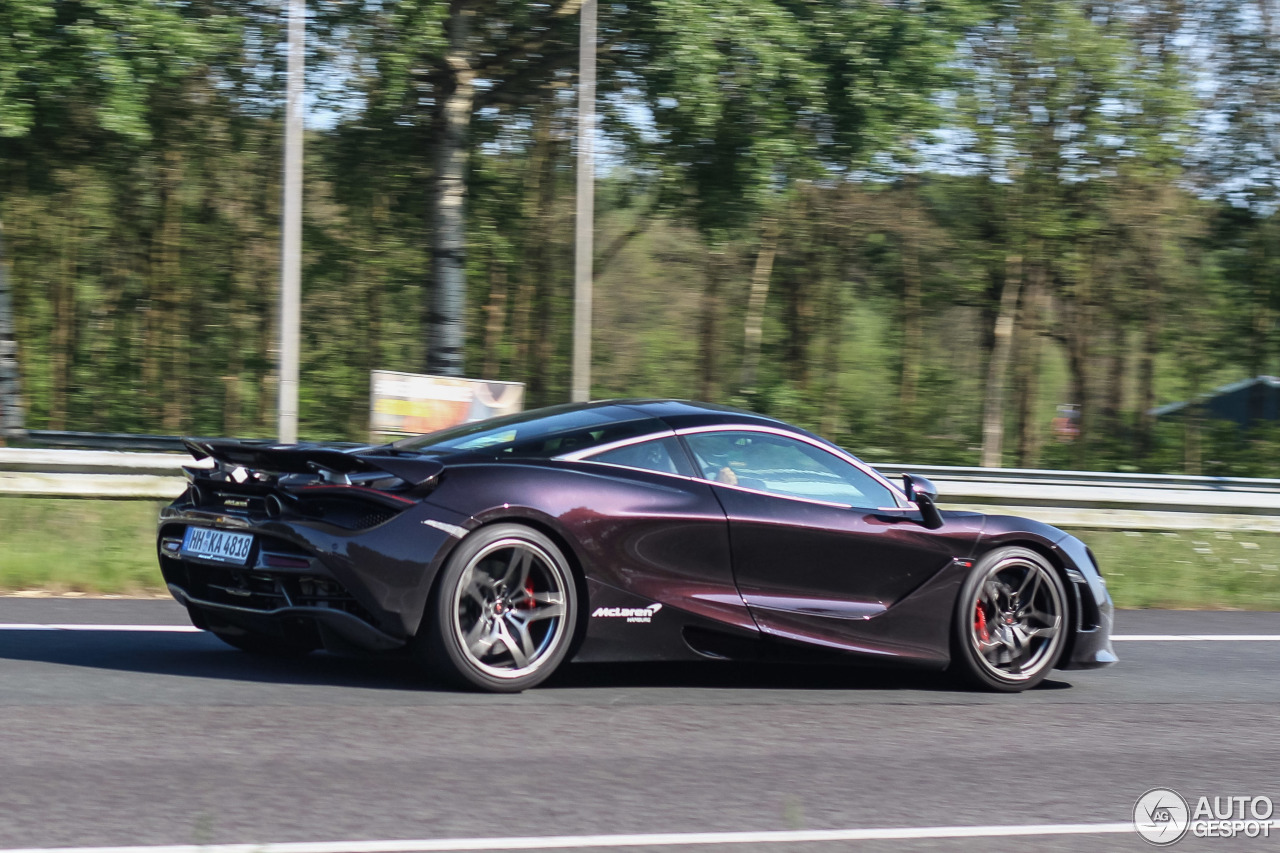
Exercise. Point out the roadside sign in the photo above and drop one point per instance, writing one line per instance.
(415, 403)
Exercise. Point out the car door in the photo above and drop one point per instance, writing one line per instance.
(662, 534)
(819, 545)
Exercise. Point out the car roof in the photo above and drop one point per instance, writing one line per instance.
(677, 414)
(636, 416)
(682, 414)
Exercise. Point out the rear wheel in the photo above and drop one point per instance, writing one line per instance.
(501, 617)
(1011, 621)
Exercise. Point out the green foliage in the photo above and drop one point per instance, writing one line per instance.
(910, 161)
(1193, 570)
(75, 545)
(101, 56)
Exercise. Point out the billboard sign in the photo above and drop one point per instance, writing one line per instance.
(414, 403)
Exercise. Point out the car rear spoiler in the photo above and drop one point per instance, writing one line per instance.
(263, 455)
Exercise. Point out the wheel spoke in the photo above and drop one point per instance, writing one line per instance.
(517, 572)
(989, 648)
(481, 637)
(519, 654)
(547, 605)
(1033, 575)
(1035, 615)
(1019, 640)
(473, 590)
(1047, 632)
(992, 590)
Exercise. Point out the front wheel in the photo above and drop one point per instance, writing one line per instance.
(502, 614)
(1011, 621)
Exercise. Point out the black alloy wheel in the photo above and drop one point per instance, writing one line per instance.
(1011, 621)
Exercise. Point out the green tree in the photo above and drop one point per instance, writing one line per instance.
(70, 74)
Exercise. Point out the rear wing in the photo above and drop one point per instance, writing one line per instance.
(269, 457)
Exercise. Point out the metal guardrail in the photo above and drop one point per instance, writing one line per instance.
(103, 440)
(1105, 500)
(91, 473)
(1064, 498)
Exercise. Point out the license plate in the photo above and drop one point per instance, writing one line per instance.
(220, 546)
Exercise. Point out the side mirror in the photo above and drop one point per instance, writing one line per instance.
(924, 495)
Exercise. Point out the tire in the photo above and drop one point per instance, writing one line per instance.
(501, 617)
(1011, 621)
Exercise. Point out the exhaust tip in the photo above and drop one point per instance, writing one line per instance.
(275, 508)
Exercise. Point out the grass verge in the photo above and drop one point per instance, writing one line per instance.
(79, 545)
(108, 547)
(1189, 570)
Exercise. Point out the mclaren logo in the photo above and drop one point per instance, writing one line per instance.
(631, 614)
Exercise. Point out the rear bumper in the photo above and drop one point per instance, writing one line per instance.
(328, 623)
(365, 588)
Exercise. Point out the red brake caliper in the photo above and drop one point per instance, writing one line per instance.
(980, 624)
(529, 603)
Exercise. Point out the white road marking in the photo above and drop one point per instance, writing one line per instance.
(1198, 638)
(659, 839)
(149, 629)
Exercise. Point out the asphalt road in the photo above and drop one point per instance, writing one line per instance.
(136, 738)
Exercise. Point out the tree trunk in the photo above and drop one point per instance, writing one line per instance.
(495, 321)
(709, 329)
(997, 367)
(912, 321)
(795, 350)
(1028, 371)
(177, 379)
(1078, 329)
(753, 333)
(1192, 453)
(62, 342)
(446, 321)
(831, 399)
(12, 421)
(1113, 399)
(1147, 370)
(540, 264)
(232, 403)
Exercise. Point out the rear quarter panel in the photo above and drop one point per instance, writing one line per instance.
(651, 537)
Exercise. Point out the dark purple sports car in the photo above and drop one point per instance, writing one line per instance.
(620, 530)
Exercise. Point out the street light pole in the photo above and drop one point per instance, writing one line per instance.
(291, 229)
(583, 246)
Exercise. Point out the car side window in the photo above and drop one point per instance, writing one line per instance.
(664, 455)
(785, 466)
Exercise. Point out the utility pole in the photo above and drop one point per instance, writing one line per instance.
(583, 245)
(291, 229)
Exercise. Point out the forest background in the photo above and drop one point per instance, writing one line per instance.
(918, 227)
